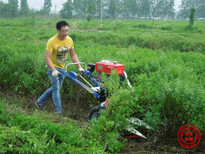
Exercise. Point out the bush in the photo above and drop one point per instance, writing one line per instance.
(14, 140)
(34, 134)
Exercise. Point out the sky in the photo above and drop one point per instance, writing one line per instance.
(58, 4)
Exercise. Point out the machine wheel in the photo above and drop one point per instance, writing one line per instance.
(95, 112)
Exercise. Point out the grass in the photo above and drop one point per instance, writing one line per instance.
(165, 63)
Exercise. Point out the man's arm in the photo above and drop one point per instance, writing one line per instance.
(48, 60)
(74, 57)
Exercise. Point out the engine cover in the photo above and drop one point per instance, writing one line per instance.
(107, 67)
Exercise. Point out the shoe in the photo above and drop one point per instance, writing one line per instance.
(40, 108)
(58, 113)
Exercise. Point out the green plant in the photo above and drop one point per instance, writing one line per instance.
(191, 18)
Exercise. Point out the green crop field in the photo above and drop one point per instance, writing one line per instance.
(165, 63)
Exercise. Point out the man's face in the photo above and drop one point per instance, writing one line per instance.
(63, 31)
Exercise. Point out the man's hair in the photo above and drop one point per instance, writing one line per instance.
(61, 24)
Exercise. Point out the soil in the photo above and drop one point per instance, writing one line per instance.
(88, 30)
(76, 109)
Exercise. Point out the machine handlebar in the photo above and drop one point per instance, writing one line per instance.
(75, 64)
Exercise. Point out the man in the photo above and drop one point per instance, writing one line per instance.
(57, 49)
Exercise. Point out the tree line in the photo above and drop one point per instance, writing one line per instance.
(109, 9)
(12, 10)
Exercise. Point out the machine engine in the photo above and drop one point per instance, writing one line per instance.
(106, 66)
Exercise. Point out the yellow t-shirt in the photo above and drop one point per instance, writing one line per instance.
(60, 50)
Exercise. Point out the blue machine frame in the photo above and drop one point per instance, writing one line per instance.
(93, 90)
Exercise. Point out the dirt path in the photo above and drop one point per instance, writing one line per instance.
(71, 109)
(88, 30)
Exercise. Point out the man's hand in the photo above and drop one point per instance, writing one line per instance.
(55, 73)
(81, 69)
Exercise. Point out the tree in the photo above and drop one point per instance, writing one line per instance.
(112, 9)
(132, 8)
(89, 13)
(99, 8)
(24, 10)
(144, 8)
(120, 8)
(5, 10)
(79, 8)
(200, 9)
(47, 6)
(153, 8)
(185, 8)
(165, 9)
(191, 18)
(86, 8)
(13, 5)
(90, 9)
(171, 11)
(66, 11)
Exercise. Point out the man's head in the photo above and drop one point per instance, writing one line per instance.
(62, 28)
(61, 24)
